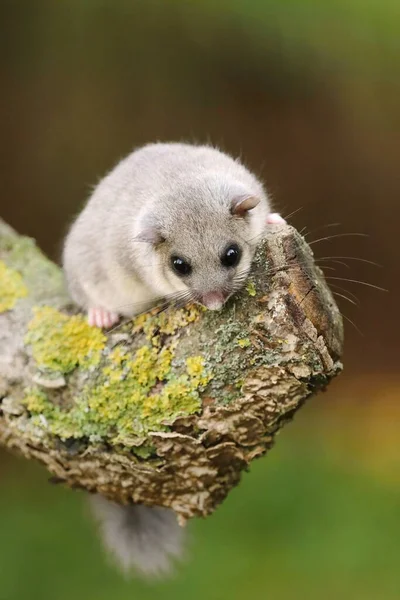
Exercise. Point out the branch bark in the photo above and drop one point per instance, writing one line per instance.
(169, 408)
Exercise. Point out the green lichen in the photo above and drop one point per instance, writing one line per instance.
(61, 343)
(196, 369)
(177, 398)
(144, 451)
(244, 343)
(165, 323)
(122, 407)
(38, 273)
(251, 288)
(226, 353)
(128, 395)
(139, 395)
(37, 402)
(12, 287)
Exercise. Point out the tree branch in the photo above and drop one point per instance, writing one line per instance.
(169, 408)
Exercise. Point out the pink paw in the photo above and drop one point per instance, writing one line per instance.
(275, 219)
(98, 317)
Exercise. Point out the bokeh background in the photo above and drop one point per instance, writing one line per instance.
(308, 93)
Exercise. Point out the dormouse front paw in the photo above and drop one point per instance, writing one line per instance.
(99, 317)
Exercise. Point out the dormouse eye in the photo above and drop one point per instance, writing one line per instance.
(181, 266)
(231, 256)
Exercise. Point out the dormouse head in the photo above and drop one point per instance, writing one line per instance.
(202, 248)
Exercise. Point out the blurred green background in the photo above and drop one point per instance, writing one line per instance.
(309, 94)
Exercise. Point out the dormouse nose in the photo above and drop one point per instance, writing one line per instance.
(213, 300)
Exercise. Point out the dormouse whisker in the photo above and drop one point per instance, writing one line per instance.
(366, 283)
(337, 235)
(352, 323)
(345, 297)
(334, 286)
(337, 262)
(286, 217)
(322, 227)
(364, 260)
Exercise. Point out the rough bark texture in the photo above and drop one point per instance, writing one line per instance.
(170, 409)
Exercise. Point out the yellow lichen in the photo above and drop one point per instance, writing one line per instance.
(149, 364)
(170, 323)
(166, 323)
(244, 343)
(251, 288)
(12, 287)
(61, 343)
(36, 401)
(195, 367)
(140, 322)
(131, 394)
(178, 397)
(113, 407)
(137, 395)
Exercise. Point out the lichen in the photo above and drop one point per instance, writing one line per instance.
(229, 361)
(38, 273)
(251, 288)
(244, 342)
(139, 395)
(178, 397)
(61, 343)
(196, 369)
(37, 402)
(128, 395)
(12, 287)
(154, 324)
(144, 451)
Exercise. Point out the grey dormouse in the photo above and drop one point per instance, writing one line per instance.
(171, 222)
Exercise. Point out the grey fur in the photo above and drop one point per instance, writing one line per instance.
(146, 539)
(179, 193)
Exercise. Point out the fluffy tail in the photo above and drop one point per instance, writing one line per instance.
(140, 537)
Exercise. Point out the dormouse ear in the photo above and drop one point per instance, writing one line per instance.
(242, 204)
(150, 234)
